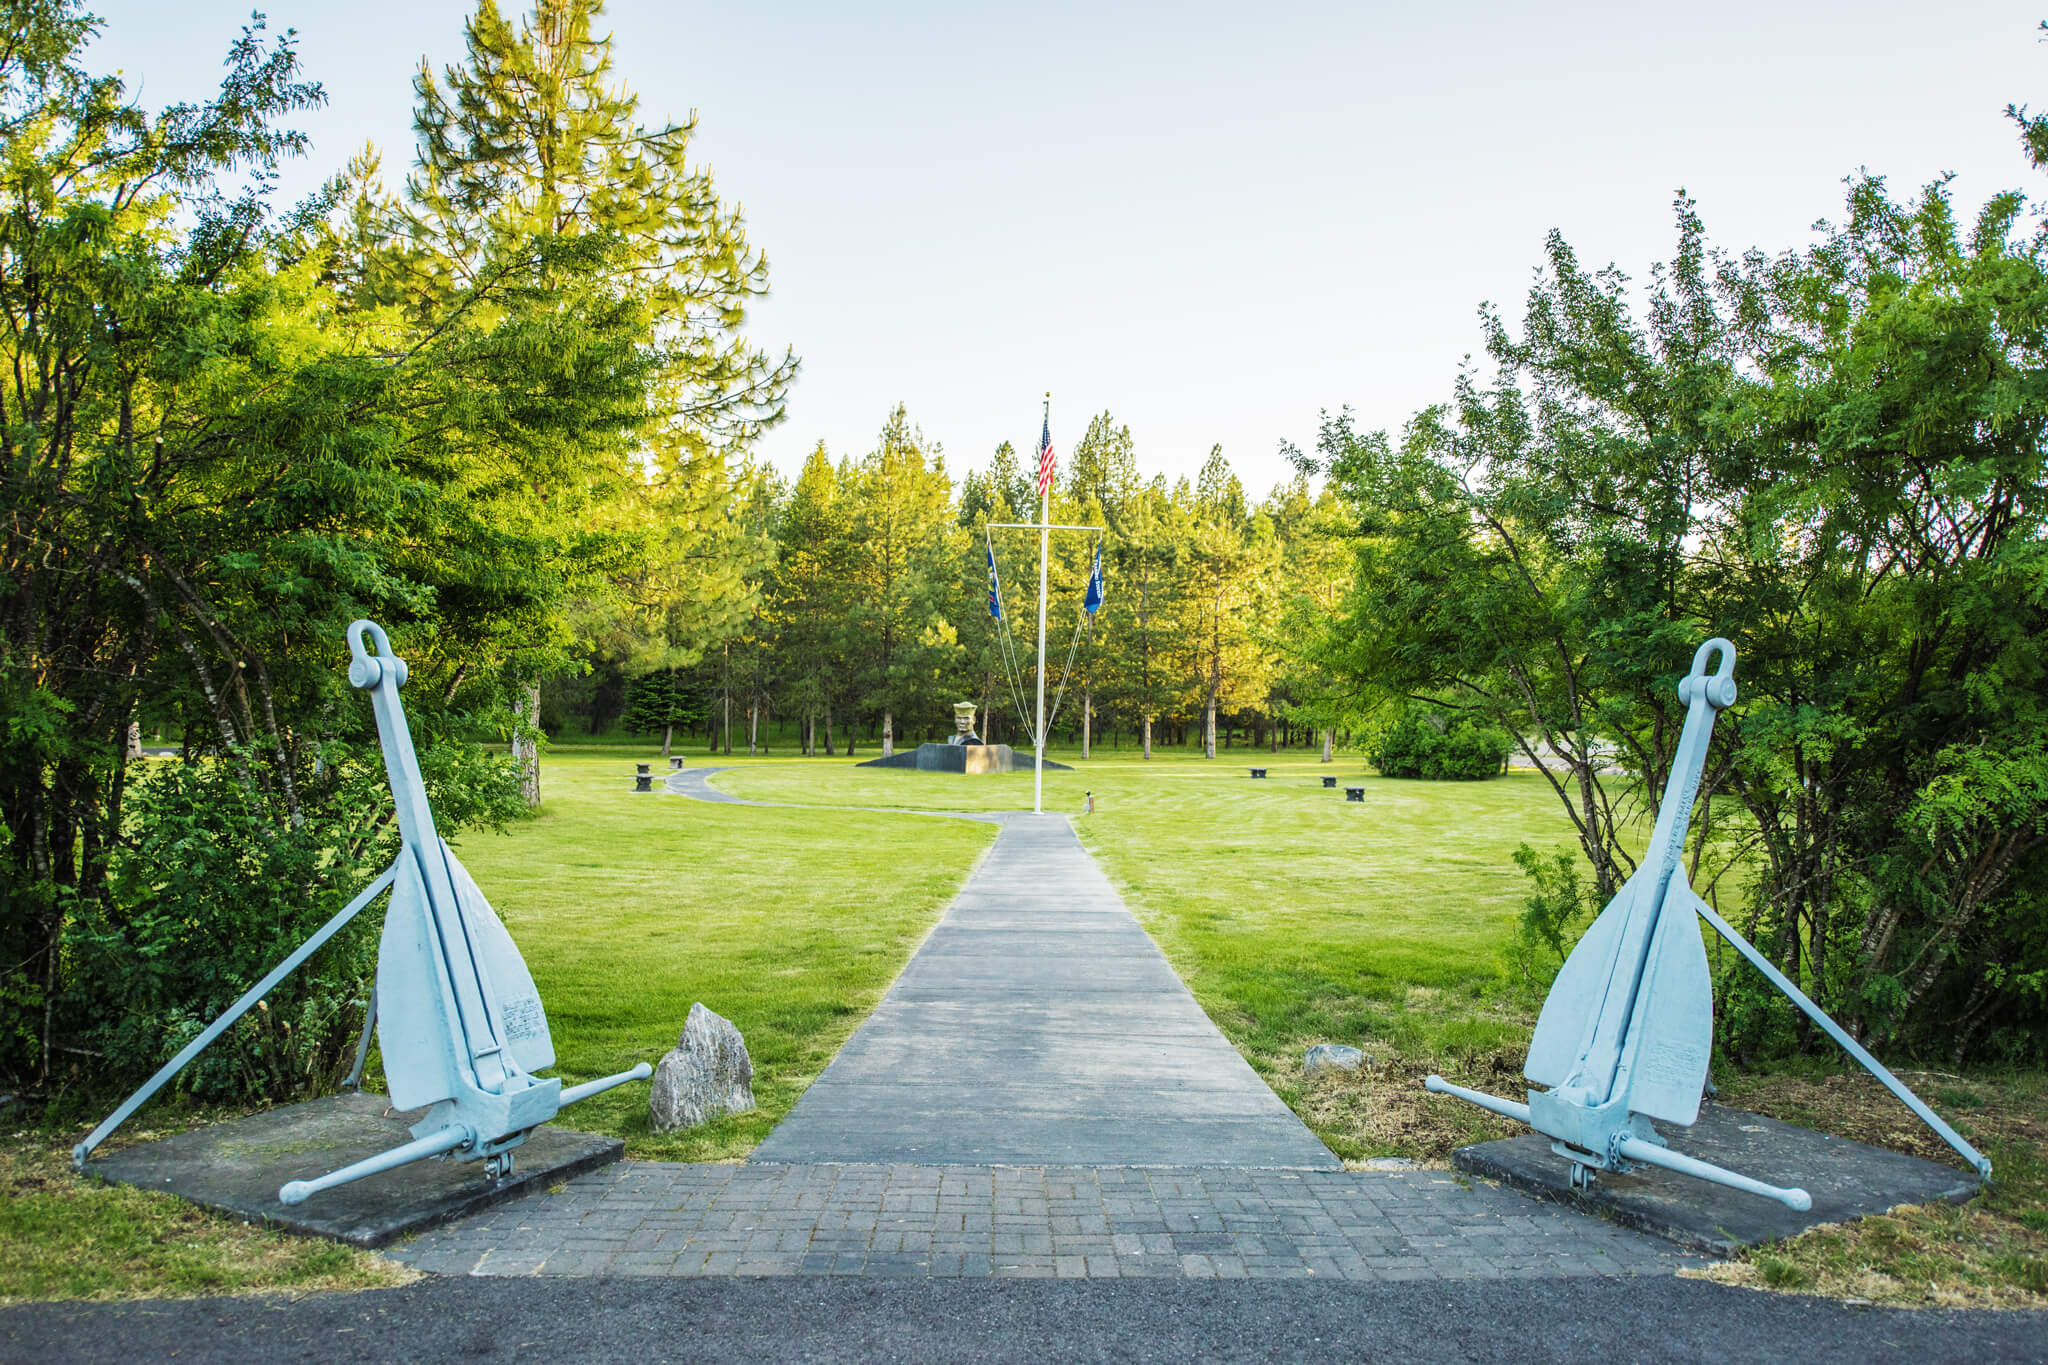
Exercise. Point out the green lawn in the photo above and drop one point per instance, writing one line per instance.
(1295, 916)
(64, 1236)
(629, 907)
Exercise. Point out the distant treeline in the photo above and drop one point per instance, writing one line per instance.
(871, 611)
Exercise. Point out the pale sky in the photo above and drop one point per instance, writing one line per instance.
(1212, 220)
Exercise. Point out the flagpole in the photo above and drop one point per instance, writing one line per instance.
(1044, 544)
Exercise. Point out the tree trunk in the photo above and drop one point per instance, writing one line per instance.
(753, 728)
(1148, 737)
(1327, 756)
(888, 734)
(725, 719)
(828, 730)
(1209, 726)
(526, 744)
(668, 736)
(1274, 738)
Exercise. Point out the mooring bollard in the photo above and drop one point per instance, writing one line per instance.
(1354, 793)
(676, 763)
(1329, 781)
(1258, 772)
(643, 779)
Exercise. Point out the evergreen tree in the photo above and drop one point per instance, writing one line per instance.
(534, 161)
(905, 573)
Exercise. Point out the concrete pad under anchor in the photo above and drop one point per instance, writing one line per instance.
(1848, 1180)
(238, 1166)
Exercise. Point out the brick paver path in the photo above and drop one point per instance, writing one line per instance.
(667, 1218)
(1037, 1095)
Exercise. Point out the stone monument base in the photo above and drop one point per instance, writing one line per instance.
(960, 758)
(1847, 1180)
(238, 1166)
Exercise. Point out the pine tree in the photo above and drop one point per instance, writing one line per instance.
(905, 570)
(534, 163)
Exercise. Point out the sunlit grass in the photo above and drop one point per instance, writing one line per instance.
(630, 907)
(67, 1236)
(1294, 915)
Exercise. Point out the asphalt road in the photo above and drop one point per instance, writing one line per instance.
(822, 1319)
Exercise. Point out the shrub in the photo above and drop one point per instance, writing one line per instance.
(1460, 751)
(1546, 932)
(212, 887)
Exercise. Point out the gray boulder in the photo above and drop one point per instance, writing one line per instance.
(1331, 1057)
(708, 1074)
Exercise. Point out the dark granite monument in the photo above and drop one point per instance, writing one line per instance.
(963, 753)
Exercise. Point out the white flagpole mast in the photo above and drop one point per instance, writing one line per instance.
(1044, 544)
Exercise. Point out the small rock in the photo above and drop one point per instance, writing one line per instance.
(708, 1074)
(1331, 1057)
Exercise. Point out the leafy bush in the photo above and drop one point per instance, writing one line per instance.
(211, 888)
(1460, 751)
(1550, 924)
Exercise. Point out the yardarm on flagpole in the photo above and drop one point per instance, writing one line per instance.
(1092, 601)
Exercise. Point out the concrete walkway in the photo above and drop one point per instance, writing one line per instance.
(1039, 1025)
(1038, 1095)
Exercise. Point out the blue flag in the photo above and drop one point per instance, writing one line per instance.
(1093, 601)
(995, 601)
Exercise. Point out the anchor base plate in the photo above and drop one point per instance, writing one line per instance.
(238, 1166)
(1847, 1179)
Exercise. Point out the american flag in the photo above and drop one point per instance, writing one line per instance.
(1047, 461)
